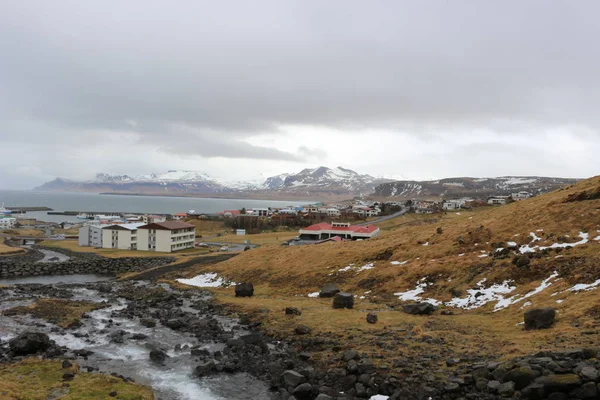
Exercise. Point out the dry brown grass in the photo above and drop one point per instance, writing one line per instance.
(64, 313)
(22, 232)
(4, 249)
(42, 379)
(283, 276)
(116, 253)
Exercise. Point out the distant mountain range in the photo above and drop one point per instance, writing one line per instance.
(471, 187)
(313, 183)
(317, 183)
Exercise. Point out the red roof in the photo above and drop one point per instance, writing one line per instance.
(232, 212)
(180, 215)
(324, 226)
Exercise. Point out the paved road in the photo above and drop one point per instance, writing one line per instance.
(385, 218)
(232, 247)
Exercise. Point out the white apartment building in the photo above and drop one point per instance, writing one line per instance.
(123, 236)
(91, 235)
(166, 236)
(7, 222)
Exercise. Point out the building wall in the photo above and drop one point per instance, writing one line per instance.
(84, 236)
(142, 239)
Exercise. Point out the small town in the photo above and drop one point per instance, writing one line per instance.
(299, 200)
(314, 223)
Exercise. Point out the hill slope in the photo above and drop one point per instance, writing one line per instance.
(461, 269)
(471, 187)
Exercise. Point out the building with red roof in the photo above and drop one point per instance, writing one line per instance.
(343, 230)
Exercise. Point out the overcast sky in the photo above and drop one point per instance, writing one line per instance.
(240, 89)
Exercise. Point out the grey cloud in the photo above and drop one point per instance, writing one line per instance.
(227, 71)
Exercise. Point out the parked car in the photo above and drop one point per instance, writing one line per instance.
(224, 248)
(201, 244)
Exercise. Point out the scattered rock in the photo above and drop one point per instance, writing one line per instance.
(343, 300)
(422, 308)
(29, 343)
(329, 290)
(244, 289)
(158, 356)
(292, 378)
(148, 322)
(372, 318)
(292, 311)
(113, 394)
(302, 330)
(539, 318)
(66, 364)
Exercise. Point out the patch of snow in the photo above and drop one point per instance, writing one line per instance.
(461, 254)
(512, 244)
(210, 279)
(535, 237)
(413, 295)
(399, 262)
(379, 397)
(519, 181)
(539, 230)
(426, 244)
(559, 301)
(457, 213)
(480, 295)
(526, 304)
(483, 256)
(531, 249)
(516, 299)
(313, 294)
(585, 286)
(366, 267)
(499, 249)
(346, 268)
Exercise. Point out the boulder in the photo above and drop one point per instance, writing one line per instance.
(292, 311)
(303, 392)
(292, 378)
(29, 343)
(244, 290)
(539, 318)
(158, 356)
(343, 300)
(521, 376)
(329, 290)
(422, 308)
(205, 369)
(302, 330)
(372, 318)
(561, 383)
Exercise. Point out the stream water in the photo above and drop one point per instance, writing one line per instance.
(172, 381)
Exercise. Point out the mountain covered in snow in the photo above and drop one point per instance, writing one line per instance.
(471, 187)
(308, 182)
(324, 180)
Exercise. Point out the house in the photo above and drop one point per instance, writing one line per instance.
(498, 200)
(520, 196)
(425, 207)
(456, 204)
(150, 219)
(287, 211)
(166, 236)
(179, 216)
(91, 234)
(7, 222)
(229, 213)
(332, 212)
(344, 230)
(240, 232)
(259, 212)
(120, 236)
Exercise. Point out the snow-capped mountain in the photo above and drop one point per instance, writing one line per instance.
(471, 187)
(316, 182)
(322, 179)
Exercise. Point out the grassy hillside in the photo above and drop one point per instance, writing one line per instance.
(446, 256)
